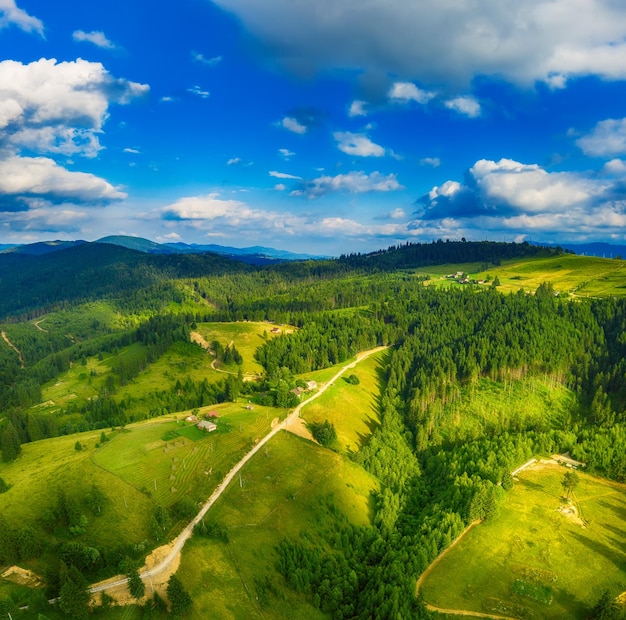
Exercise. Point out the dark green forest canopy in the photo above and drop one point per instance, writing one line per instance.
(30, 284)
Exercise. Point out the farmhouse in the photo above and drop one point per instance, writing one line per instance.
(191, 418)
(204, 425)
(311, 385)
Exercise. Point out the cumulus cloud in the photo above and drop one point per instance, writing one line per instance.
(435, 162)
(40, 176)
(404, 92)
(468, 106)
(292, 124)
(357, 108)
(10, 14)
(352, 182)
(286, 153)
(280, 187)
(52, 107)
(509, 196)
(233, 161)
(357, 144)
(282, 175)
(607, 138)
(96, 37)
(199, 92)
(441, 42)
(203, 60)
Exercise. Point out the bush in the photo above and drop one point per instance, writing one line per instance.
(323, 432)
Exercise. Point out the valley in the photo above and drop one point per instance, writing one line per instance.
(416, 396)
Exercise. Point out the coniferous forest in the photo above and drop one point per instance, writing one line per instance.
(444, 344)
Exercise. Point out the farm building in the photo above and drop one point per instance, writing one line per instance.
(204, 425)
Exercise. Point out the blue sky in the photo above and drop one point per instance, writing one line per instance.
(323, 127)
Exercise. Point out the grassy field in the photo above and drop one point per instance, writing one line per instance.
(247, 337)
(533, 561)
(182, 360)
(351, 408)
(280, 495)
(579, 276)
(46, 466)
(530, 403)
(177, 459)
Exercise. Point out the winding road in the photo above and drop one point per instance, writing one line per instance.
(181, 539)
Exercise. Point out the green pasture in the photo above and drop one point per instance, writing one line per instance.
(532, 561)
(281, 493)
(169, 458)
(48, 465)
(529, 403)
(247, 336)
(569, 274)
(351, 408)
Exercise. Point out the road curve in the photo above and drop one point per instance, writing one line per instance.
(182, 538)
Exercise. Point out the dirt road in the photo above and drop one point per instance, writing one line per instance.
(172, 550)
(19, 353)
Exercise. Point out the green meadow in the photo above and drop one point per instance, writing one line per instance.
(351, 408)
(247, 336)
(169, 458)
(46, 466)
(529, 403)
(569, 274)
(281, 494)
(534, 561)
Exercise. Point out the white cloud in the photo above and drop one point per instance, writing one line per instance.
(167, 99)
(352, 182)
(293, 125)
(435, 162)
(403, 92)
(515, 198)
(397, 214)
(40, 176)
(132, 151)
(233, 161)
(357, 108)
(196, 90)
(286, 153)
(169, 238)
(202, 59)
(11, 14)
(435, 41)
(608, 138)
(207, 207)
(282, 175)
(464, 105)
(615, 167)
(357, 144)
(96, 37)
(59, 107)
(280, 187)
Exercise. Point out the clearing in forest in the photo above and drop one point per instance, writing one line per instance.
(537, 559)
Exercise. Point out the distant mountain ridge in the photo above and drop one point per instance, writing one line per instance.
(256, 255)
(598, 248)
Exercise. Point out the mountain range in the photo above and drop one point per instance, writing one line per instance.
(256, 255)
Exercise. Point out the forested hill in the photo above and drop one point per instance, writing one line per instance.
(93, 271)
(441, 252)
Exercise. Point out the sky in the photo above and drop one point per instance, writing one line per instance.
(323, 127)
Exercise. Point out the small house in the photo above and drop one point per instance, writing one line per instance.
(191, 418)
(205, 425)
(311, 385)
(211, 414)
